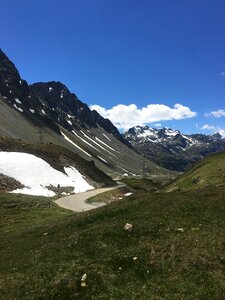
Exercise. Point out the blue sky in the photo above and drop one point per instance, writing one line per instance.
(119, 53)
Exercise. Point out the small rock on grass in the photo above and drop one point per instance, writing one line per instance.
(84, 277)
(83, 284)
(128, 227)
(83, 280)
(180, 229)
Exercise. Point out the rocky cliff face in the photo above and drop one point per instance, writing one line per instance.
(68, 111)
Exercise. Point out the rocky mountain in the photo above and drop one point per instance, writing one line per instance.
(172, 149)
(65, 109)
(50, 113)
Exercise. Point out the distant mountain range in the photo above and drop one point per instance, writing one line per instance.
(170, 148)
(50, 113)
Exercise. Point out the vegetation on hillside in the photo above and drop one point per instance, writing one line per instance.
(175, 250)
(208, 171)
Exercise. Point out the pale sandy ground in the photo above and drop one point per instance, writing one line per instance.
(77, 202)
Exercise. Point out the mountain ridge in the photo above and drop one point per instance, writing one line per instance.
(171, 148)
(49, 112)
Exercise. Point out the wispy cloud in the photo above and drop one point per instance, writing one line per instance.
(158, 125)
(126, 116)
(216, 114)
(222, 73)
(214, 129)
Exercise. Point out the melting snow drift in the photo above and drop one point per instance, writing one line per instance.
(36, 174)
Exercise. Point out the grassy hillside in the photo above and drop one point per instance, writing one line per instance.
(175, 250)
(208, 171)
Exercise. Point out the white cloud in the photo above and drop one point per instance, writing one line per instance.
(222, 132)
(216, 114)
(126, 116)
(158, 124)
(208, 127)
(214, 129)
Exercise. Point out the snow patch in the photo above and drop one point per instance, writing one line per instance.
(102, 159)
(97, 143)
(17, 101)
(106, 137)
(84, 141)
(18, 108)
(69, 140)
(32, 110)
(128, 194)
(37, 175)
(104, 143)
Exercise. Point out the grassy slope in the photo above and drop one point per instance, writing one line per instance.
(208, 171)
(170, 264)
(133, 185)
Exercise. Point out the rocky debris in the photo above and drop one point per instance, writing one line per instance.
(196, 180)
(128, 227)
(8, 184)
(61, 190)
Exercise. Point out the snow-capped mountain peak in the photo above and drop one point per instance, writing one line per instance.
(171, 148)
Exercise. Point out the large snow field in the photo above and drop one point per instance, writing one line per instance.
(36, 174)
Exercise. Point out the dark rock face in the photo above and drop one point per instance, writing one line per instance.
(49, 103)
(13, 87)
(172, 149)
(18, 94)
(68, 111)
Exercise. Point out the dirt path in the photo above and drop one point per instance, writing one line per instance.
(77, 202)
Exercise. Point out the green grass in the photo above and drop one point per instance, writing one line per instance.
(133, 185)
(111, 196)
(208, 171)
(143, 184)
(170, 264)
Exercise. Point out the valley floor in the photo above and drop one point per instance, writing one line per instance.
(175, 250)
